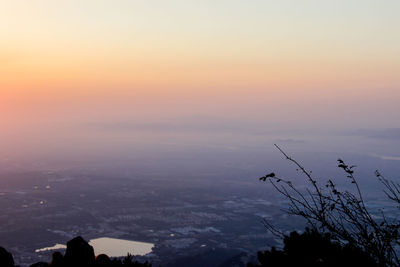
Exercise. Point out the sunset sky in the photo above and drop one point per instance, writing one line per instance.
(284, 64)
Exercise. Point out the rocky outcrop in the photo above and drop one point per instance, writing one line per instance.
(6, 259)
(79, 253)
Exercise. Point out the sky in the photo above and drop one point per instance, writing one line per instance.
(71, 68)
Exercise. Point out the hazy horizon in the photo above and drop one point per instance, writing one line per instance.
(82, 76)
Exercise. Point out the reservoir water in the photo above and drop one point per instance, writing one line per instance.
(111, 246)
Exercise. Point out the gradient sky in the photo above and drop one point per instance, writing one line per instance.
(288, 64)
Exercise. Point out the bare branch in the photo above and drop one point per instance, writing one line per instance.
(342, 213)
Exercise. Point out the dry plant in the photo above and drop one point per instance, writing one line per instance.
(343, 214)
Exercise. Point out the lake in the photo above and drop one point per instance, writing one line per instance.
(111, 246)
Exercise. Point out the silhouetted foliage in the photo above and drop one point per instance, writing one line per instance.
(213, 257)
(343, 214)
(312, 248)
(40, 264)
